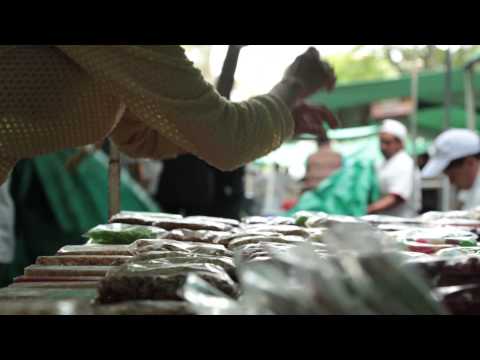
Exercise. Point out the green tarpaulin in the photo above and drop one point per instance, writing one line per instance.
(55, 207)
(348, 191)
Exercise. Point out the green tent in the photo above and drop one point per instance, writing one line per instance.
(431, 89)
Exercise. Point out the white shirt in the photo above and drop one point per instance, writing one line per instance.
(400, 176)
(6, 225)
(471, 197)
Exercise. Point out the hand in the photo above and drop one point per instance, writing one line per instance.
(309, 119)
(311, 72)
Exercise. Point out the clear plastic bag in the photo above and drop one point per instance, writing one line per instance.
(159, 280)
(122, 234)
(145, 246)
(362, 275)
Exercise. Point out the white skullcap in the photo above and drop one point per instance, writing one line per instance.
(395, 128)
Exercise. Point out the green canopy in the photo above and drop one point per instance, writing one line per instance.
(431, 89)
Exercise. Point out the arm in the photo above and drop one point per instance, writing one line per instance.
(161, 87)
(387, 202)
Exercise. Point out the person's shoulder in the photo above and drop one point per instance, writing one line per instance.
(403, 157)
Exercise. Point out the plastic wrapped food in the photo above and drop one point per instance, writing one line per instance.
(141, 218)
(425, 248)
(65, 271)
(153, 214)
(301, 217)
(145, 246)
(226, 239)
(387, 219)
(171, 223)
(282, 229)
(322, 221)
(52, 294)
(96, 249)
(160, 245)
(409, 255)
(459, 223)
(231, 222)
(191, 225)
(258, 251)
(442, 271)
(122, 234)
(157, 281)
(45, 307)
(359, 277)
(78, 260)
(224, 262)
(234, 244)
(159, 255)
(437, 236)
(459, 251)
(316, 234)
(57, 278)
(396, 227)
(272, 220)
(204, 236)
(145, 220)
(437, 215)
(461, 300)
(56, 285)
(144, 307)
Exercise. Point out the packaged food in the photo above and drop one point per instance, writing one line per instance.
(189, 259)
(204, 236)
(301, 217)
(459, 251)
(145, 246)
(157, 281)
(231, 222)
(45, 307)
(122, 234)
(436, 236)
(226, 239)
(425, 248)
(79, 260)
(144, 307)
(56, 278)
(443, 271)
(271, 220)
(234, 244)
(141, 218)
(56, 285)
(387, 219)
(66, 271)
(461, 300)
(282, 229)
(96, 249)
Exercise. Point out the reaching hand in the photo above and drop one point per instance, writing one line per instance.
(309, 119)
(311, 72)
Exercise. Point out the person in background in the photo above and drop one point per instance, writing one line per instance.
(7, 234)
(321, 164)
(399, 177)
(456, 153)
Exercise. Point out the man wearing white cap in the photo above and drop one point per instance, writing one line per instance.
(398, 175)
(456, 153)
